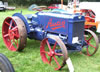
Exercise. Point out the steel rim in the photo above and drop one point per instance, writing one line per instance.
(92, 43)
(12, 33)
(48, 54)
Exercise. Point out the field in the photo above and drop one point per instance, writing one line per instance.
(29, 59)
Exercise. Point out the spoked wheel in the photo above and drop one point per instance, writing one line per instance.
(5, 65)
(92, 43)
(14, 33)
(54, 54)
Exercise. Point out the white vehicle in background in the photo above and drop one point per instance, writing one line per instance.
(94, 6)
(2, 6)
(9, 7)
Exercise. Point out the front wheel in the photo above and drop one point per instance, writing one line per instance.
(54, 54)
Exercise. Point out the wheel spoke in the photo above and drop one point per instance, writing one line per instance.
(88, 52)
(14, 28)
(10, 25)
(91, 45)
(15, 43)
(7, 23)
(50, 59)
(6, 35)
(11, 45)
(90, 38)
(56, 61)
(49, 45)
(54, 46)
(58, 54)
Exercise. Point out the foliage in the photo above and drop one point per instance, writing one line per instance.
(47, 2)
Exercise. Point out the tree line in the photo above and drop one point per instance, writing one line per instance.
(39, 2)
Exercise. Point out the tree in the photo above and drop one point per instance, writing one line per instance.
(47, 2)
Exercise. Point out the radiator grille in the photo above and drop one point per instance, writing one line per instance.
(78, 30)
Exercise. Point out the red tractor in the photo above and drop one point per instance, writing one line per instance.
(89, 17)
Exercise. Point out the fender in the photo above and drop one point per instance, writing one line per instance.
(97, 24)
(24, 20)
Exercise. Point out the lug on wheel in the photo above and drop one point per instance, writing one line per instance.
(92, 43)
(54, 54)
(14, 33)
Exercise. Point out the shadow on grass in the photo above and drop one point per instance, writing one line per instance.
(33, 43)
(64, 70)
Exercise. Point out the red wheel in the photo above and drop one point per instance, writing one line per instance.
(14, 33)
(55, 55)
(92, 43)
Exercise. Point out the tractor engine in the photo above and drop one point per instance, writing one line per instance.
(69, 27)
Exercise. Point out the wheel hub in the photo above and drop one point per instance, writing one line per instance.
(11, 34)
(52, 53)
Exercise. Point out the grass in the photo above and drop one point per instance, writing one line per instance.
(30, 61)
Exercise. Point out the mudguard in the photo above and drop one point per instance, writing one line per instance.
(24, 20)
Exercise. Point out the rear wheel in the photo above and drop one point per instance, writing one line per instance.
(54, 54)
(14, 33)
(92, 43)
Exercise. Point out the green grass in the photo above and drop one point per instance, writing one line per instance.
(29, 60)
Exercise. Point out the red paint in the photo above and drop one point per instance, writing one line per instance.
(49, 55)
(56, 25)
(10, 34)
(89, 17)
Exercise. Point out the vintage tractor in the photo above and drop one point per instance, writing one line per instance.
(58, 33)
(89, 17)
(91, 13)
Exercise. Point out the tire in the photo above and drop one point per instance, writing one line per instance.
(5, 65)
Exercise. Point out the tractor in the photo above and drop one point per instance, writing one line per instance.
(59, 34)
